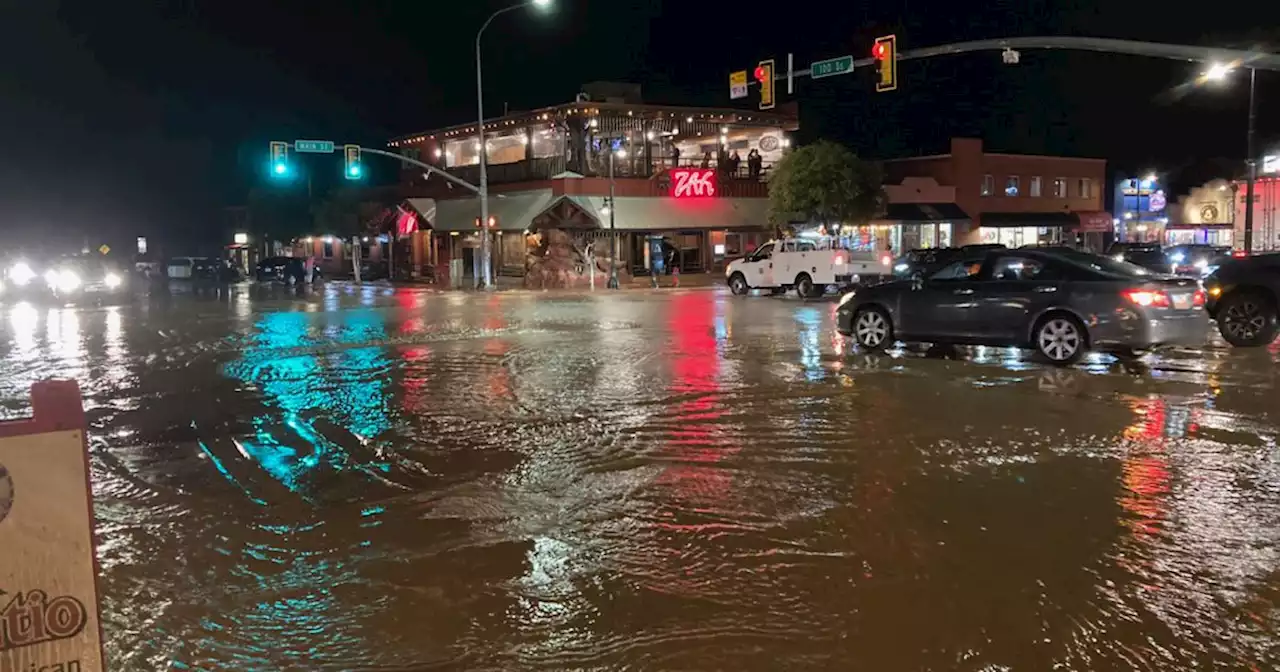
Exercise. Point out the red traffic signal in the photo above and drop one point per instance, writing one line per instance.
(760, 74)
(879, 51)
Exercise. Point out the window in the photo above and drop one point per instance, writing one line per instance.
(1014, 268)
(411, 153)
(328, 249)
(988, 185)
(958, 270)
(763, 252)
(1035, 186)
(1086, 187)
(1059, 187)
(1011, 185)
(364, 250)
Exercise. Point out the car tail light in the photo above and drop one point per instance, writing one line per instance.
(839, 259)
(1197, 299)
(886, 260)
(1239, 253)
(1147, 298)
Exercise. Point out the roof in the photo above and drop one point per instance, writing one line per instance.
(512, 211)
(638, 213)
(515, 119)
(924, 212)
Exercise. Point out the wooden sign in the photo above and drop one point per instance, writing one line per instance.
(49, 617)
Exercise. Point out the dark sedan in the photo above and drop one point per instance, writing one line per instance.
(1057, 303)
(284, 269)
(1147, 255)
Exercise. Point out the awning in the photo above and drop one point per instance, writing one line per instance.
(924, 212)
(426, 209)
(636, 213)
(569, 212)
(512, 211)
(1012, 219)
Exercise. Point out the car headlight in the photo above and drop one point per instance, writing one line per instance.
(1202, 264)
(112, 281)
(63, 281)
(847, 297)
(902, 268)
(1118, 257)
(21, 274)
(1177, 257)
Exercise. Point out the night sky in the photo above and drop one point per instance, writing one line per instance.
(129, 117)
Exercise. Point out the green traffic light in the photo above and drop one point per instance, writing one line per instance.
(353, 170)
(280, 169)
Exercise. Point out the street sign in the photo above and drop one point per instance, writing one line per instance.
(738, 84)
(831, 66)
(313, 146)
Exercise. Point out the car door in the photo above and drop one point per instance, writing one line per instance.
(758, 267)
(1009, 293)
(929, 310)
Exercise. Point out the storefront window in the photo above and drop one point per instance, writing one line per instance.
(507, 147)
(1017, 236)
(463, 152)
(547, 143)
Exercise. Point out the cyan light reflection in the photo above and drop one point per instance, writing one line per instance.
(810, 320)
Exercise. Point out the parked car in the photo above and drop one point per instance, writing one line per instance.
(1244, 297)
(1059, 304)
(807, 265)
(1195, 260)
(284, 269)
(210, 270)
(925, 262)
(1147, 255)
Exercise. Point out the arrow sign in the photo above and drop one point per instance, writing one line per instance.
(313, 146)
(832, 66)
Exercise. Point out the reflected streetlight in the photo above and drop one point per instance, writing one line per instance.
(485, 250)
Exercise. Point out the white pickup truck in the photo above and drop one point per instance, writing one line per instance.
(809, 265)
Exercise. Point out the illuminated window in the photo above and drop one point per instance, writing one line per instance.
(988, 185)
(1035, 186)
(1086, 187)
(1011, 185)
(1060, 187)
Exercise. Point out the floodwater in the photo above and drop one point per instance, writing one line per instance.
(358, 478)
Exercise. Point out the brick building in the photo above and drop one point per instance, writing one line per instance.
(970, 196)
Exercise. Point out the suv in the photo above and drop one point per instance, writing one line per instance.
(1244, 296)
(1147, 255)
(1195, 260)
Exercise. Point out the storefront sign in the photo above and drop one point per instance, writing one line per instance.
(1158, 201)
(48, 591)
(693, 182)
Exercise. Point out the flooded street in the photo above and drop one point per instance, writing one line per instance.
(669, 480)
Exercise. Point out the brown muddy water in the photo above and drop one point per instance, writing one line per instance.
(674, 480)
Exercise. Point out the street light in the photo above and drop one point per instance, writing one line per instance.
(1218, 72)
(484, 158)
(613, 234)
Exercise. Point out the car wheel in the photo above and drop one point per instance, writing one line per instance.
(804, 286)
(1247, 320)
(738, 285)
(872, 329)
(1060, 339)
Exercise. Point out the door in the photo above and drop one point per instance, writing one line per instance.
(935, 307)
(1010, 292)
(757, 268)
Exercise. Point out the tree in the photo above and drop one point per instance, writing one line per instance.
(825, 182)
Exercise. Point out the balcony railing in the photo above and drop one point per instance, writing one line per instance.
(531, 170)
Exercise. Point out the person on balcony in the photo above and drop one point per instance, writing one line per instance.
(731, 166)
(755, 164)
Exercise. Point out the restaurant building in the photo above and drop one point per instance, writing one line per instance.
(694, 177)
(1204, 216)
(970, 195)
(1141, 209)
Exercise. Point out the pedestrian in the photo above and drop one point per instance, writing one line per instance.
(706, 160)
(754, 164)
(734, 162)
(675, 156)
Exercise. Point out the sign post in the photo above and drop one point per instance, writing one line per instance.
(738, 84)
(830, 67)
(49, 616)
(313, 146)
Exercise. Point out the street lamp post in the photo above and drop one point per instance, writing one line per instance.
(483, 193)
(613, 232)
(1253, 169)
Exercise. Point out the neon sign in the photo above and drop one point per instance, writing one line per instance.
(693, 182)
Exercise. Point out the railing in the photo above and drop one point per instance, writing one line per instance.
(596, 166)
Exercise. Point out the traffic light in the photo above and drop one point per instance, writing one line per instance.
(279, 158)
(764, 75)
(885, 52)
(352, 154)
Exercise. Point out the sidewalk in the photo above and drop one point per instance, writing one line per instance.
(689, 280)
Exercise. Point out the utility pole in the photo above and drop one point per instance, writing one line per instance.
(1252, 161)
